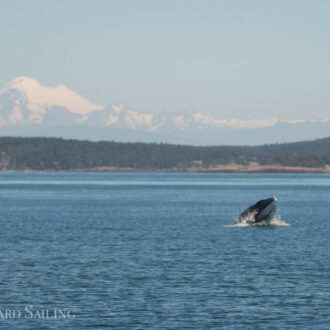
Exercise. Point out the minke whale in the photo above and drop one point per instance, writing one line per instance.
(260, 213)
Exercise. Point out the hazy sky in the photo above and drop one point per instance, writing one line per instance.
(245, 59)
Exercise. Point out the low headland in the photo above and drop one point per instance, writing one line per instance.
(56, 154)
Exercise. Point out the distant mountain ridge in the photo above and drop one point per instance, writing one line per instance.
(27, 108)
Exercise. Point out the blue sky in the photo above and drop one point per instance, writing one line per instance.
(245, 59)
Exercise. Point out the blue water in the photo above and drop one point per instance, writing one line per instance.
(139, 251)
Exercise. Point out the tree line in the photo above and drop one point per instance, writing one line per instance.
(64, 154)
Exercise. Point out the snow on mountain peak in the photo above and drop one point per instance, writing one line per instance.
(25, 104)
(39, 96)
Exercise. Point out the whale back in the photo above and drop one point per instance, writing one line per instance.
(254, 213)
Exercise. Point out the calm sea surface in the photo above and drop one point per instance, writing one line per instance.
(138, 251)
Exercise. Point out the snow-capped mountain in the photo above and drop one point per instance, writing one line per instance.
(31, 109)
(25, 101)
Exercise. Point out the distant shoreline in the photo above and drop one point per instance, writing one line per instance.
(231, 168)
(60, 155)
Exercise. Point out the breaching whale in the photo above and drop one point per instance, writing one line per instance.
(261, 212)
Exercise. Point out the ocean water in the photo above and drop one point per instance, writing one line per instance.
(154, 251)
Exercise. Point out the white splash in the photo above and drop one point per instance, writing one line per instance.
(275, 222)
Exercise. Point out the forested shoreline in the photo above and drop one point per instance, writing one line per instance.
(56, 154)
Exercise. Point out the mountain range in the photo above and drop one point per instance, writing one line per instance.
(28, 108)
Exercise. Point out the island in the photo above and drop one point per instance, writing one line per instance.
(57, 154)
